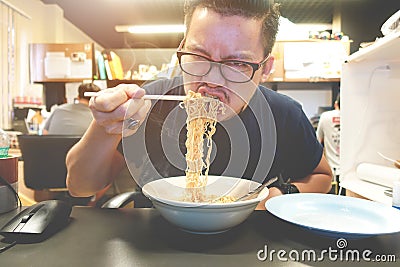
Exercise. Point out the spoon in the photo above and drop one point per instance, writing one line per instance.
(254, 192)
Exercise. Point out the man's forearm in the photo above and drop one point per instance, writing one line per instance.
(93, 162)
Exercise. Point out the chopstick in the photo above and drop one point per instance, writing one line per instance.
(395, 162)
(147, 97)
(387, 158)
(164, 97)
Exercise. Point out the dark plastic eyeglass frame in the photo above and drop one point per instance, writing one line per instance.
(255, 66)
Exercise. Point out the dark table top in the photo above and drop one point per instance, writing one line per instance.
(141, 237)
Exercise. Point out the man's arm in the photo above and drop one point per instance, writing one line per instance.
(94, 161)
(319, 181)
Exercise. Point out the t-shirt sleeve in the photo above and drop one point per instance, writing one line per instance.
(298, 150)
(163, 86)
(306, 150)
(320, 131)
(48, 122)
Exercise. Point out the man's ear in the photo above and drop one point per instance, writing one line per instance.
(267, 68)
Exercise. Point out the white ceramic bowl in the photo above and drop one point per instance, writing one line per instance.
(203, 218)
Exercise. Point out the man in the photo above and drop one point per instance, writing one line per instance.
(72, 118)
(224, 54)
(328, 133)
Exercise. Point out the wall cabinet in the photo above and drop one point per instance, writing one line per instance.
(54, 64)
(61, 62)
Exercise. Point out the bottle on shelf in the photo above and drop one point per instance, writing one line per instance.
(37, 120)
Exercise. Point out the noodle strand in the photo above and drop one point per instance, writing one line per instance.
(201, 124)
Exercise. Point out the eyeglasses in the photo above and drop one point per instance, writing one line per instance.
(236, 71)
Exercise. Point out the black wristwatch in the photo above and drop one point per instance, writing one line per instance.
(288, 188)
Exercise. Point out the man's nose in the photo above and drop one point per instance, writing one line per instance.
(214, 77)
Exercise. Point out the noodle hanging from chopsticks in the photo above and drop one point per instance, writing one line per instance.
(201, 125)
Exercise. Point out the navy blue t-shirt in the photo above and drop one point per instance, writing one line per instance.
(271, 137)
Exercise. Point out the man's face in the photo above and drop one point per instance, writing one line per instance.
(222, 38)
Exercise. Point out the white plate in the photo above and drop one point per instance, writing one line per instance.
(335, 215)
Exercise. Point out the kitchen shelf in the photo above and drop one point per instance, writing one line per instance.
(113, 83)
(367, 190)
(33, 106)
(383, 49)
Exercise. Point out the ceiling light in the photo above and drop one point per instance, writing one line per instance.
(146, 29)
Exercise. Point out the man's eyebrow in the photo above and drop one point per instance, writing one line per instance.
(197, 48)
(243, 55)
(240, 55)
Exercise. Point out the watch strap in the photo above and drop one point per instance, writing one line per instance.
(288, 188)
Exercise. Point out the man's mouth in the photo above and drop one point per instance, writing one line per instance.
(219, 94)
(211, 96)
